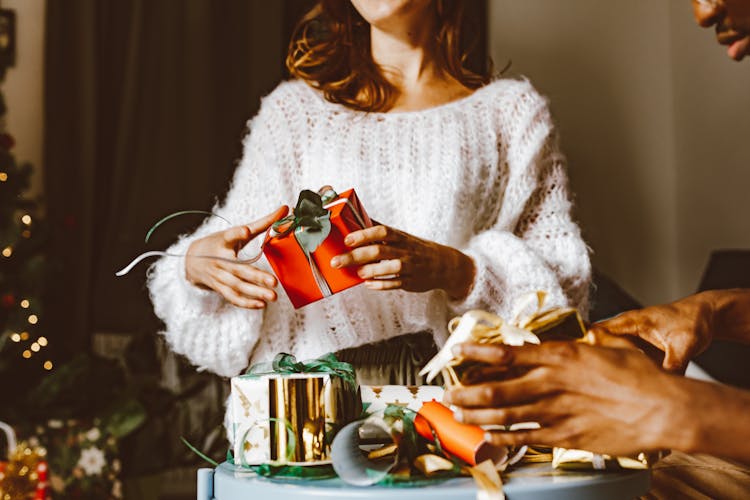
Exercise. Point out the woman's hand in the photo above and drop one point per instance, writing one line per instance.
(390, 259)
(240, 284)
(682, 329)
(605, 400)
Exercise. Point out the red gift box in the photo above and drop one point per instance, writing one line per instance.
(305, 272)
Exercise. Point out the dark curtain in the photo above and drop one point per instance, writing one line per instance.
(145, 107)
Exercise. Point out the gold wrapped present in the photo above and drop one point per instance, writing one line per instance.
(531, 323)
(288, 413)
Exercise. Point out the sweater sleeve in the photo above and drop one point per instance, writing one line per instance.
(212, 333)
(532, 243)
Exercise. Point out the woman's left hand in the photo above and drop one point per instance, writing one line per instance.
(391, 259)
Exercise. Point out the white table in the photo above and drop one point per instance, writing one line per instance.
(532, 481)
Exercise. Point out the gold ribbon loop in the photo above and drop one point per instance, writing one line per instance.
(530, 318)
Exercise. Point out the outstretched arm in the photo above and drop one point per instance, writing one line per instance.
(214, 311)
(685, 328)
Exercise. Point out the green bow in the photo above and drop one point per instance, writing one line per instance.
(285, 364)
(306, 214)
(311, 225)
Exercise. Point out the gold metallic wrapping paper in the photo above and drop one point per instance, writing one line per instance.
(568, 459)
(289, 419)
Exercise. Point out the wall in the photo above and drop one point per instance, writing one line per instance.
(712, 140)
(655, 174)
(606, 74)
(23, 86)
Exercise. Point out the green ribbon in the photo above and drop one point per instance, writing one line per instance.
(309, 214)
(286, 364)
(309, 221)
(311, 225)
(285, 471)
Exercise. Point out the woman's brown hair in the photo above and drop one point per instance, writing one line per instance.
(330, 50)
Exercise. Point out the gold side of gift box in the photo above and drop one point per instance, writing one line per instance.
(289, 419)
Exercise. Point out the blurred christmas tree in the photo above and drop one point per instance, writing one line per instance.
(25, 354)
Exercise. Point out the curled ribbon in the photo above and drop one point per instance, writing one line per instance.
(530, 317)
(487, 328)
(365, 469)
(309, 222)
(156, 253)
(10, 437)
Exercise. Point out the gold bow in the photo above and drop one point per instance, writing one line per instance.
(530, 320)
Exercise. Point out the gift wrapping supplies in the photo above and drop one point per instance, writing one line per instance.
(531, 323)
(432, 418)
(287, 412)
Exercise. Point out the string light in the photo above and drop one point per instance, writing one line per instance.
(26, 233)
(48, 365)
(35, 347)
(26, 219)
(7, 251)
(15, 337)
(24, 336)
(42, 341)
(25, 303)
(3, 177)
(33, 319)
(26, 354)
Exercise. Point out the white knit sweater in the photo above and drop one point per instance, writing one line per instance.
(482, 174)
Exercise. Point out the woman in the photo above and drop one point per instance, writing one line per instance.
(464, 174)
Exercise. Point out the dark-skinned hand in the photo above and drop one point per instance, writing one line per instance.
(602, 399)
(681, 330)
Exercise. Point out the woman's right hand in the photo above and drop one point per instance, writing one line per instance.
(240, 284)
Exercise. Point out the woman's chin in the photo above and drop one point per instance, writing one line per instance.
(385, 13)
